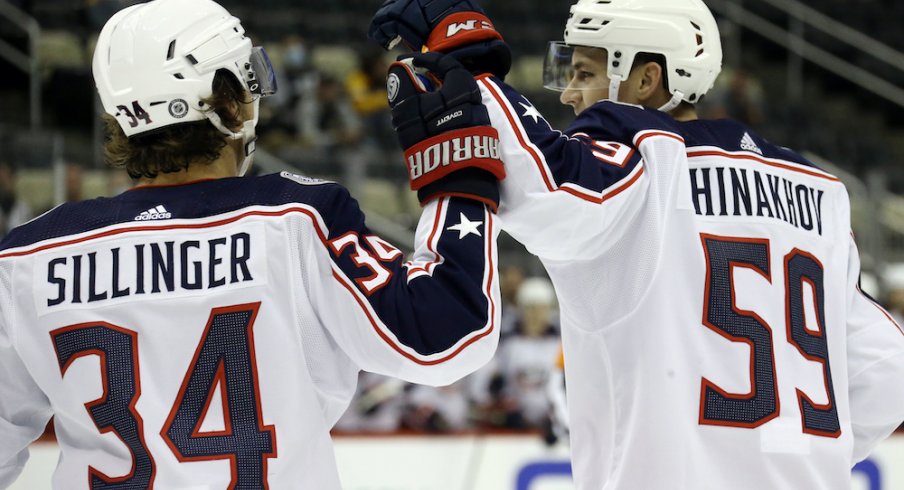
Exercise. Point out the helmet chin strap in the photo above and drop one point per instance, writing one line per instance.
(248, 135)
(677, 97)
(616, 81)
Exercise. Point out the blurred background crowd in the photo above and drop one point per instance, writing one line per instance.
(792, 71)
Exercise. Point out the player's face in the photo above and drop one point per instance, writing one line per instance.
(589, 81)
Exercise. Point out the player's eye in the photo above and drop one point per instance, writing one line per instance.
(583, 76)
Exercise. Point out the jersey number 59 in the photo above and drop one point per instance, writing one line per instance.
(722, 315)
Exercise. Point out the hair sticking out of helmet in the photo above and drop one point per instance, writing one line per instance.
(684, 32)
(155, 63)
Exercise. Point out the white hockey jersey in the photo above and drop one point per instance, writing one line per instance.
(714, 333)
(209, 335)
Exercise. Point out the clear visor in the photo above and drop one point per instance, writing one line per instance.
(259, 74)
(560, 73)
(557, 69)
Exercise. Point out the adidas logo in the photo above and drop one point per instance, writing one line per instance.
(748, 144)
(159, 212)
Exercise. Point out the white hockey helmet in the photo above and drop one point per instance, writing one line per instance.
(155, 62)
(682, 31)
(536, 291)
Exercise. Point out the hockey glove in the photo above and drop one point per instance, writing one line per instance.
(456, 27)
(450, 147)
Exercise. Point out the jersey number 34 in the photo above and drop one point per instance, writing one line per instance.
(224, 357)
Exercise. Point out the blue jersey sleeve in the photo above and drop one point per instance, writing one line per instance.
(431, 319)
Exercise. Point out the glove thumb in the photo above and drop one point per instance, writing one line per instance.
(403, 82)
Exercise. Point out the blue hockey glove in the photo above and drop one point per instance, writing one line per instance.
(456, 27)
(450, 147)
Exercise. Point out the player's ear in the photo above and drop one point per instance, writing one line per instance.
(649, 81)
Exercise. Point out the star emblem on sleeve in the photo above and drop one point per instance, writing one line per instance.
(531, 112)
(465, 227)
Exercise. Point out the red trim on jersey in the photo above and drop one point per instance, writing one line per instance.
(567, 187)
(233, 463)
(614, 190)
(315, 217)
(360, 257)
(771, 163)
(154, 228)
(428, 267)
(386, 252)
(257, 389)
(801, 396)
(395, 346)
(870, 299)
(604, 154)
(219, 380)
(157, 186)
(883, 310)
(707, 383)
(139, 422)
(643, 135)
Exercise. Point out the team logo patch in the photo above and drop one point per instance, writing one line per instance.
(178, 108)
(303, 180)
(392, 87)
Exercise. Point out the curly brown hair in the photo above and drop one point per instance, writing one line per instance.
(174, 148)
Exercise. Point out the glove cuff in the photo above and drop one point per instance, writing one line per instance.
(470, 183)
(460, 29)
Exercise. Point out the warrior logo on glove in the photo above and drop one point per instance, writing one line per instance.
(441, 155)
(450, 148)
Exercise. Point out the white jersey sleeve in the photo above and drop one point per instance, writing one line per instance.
(876, 366)
(568, 195)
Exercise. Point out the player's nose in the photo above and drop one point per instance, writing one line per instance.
(569, 96)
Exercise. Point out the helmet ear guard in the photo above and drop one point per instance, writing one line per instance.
(684, 32)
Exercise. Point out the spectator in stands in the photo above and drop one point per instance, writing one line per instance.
(510, 278)
(13, 210)
(299, 81)
(327, 122)
(737, 95)
(74, 182)
(558, 428)
(437, 409)
(367, 89)
(525, 361)
(377, 406)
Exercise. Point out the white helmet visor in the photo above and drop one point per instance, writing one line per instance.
(259, 74)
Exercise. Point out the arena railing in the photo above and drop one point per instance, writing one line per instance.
(27, 62)
(792, 38)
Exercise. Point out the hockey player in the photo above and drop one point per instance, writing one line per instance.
(715, 333)
(203, 330)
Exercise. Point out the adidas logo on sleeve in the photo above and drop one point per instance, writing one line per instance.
(158, 212)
